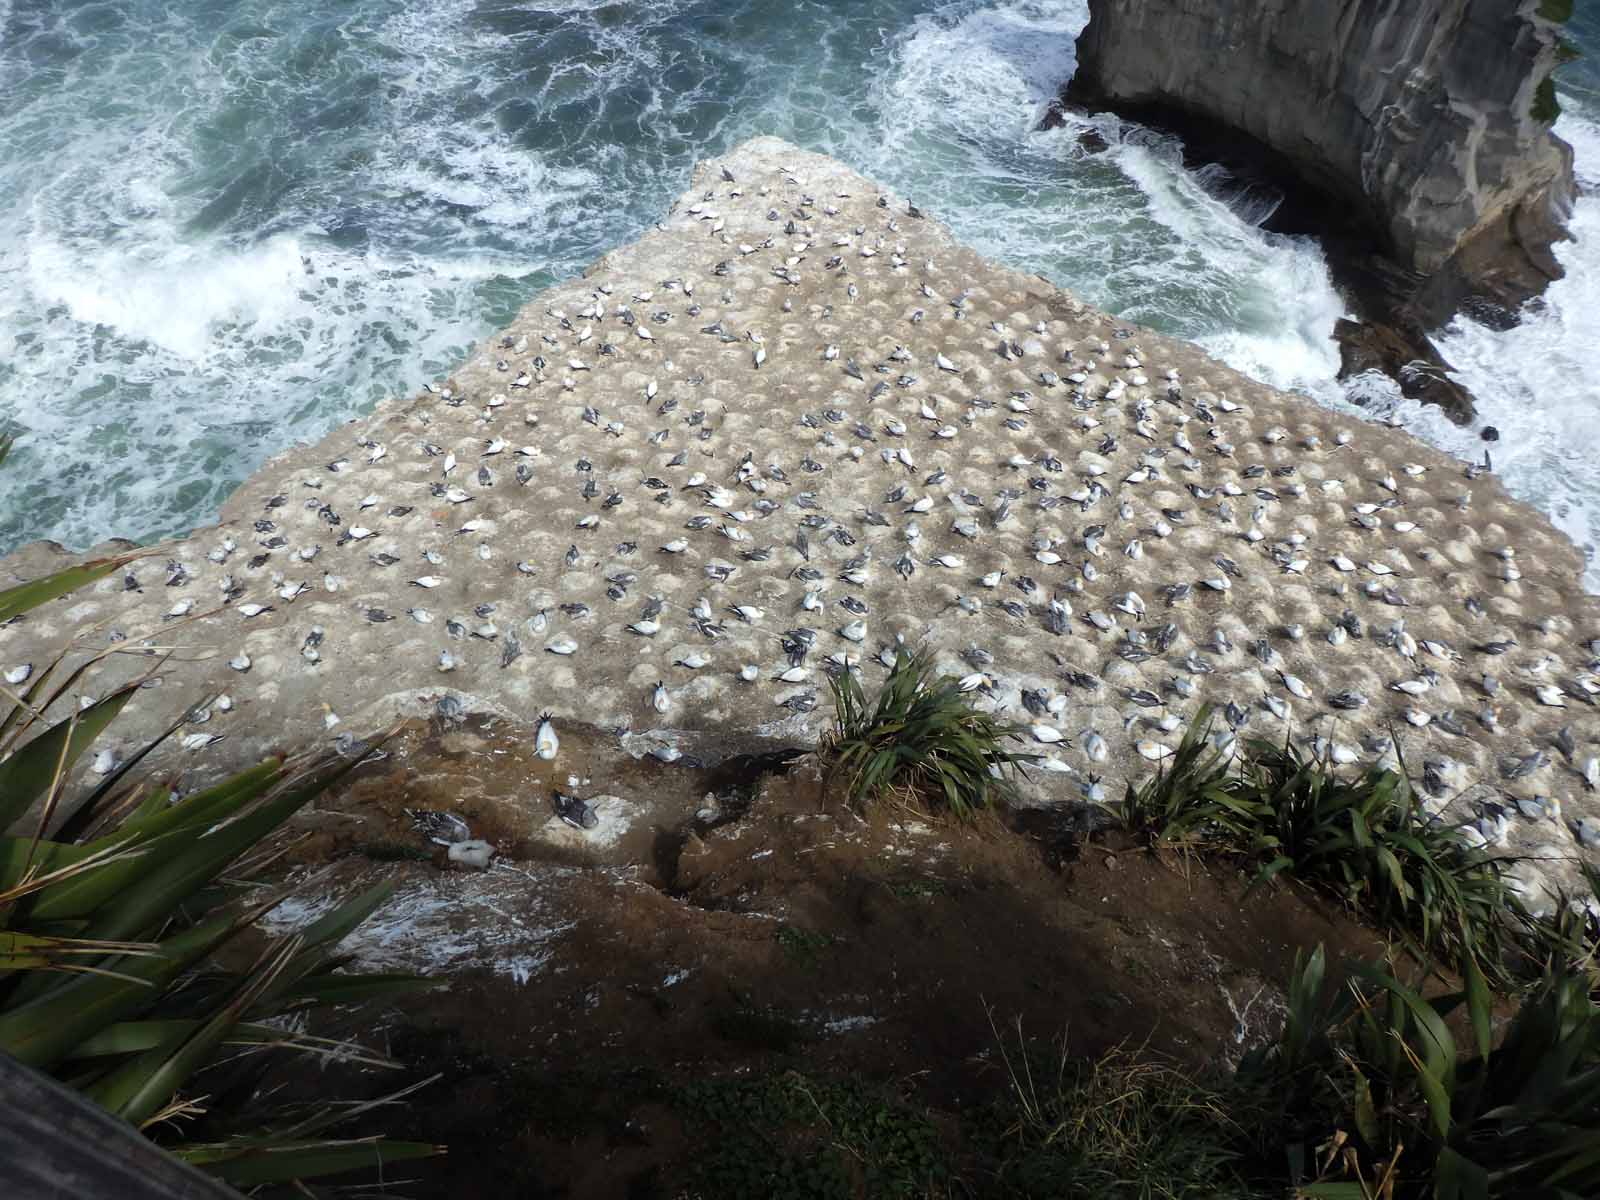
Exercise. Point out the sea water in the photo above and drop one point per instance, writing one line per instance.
(226, 227)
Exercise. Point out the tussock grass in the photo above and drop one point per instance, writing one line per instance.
(1124, 1126)
(1364, 838)
(920, 736)
(1179, 802)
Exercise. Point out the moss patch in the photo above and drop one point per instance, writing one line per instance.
(794, 1136)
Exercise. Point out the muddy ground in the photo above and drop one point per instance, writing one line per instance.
(709, 992)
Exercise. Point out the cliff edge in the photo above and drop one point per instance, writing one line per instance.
(1418, 131)
(798, 425)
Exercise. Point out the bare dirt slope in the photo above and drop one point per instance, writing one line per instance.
(619, 1003)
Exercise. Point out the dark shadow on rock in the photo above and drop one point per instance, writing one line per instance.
(887, 948)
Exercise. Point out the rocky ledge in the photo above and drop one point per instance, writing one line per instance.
(796, 425)
(1413, 135)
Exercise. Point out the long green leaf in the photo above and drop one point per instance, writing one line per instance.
(32, 701)
(134, 1037)
(27, 773)
(1480, 1006)
(259, 1165)
(163, 834)
(19, 853)
(328, 930)
(77, 898)
(206, 807)
(1457, 1177)
(141, 1087)
(27, 596)
(47, 1028)
(356, 989)
(193, 862)
(82, 818)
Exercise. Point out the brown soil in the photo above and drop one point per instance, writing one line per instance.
(784, 932)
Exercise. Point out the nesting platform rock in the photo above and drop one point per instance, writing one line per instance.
(798, 423)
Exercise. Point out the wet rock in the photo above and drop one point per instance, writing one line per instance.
(1419, 115)
(1406, 356)
(1405, 136)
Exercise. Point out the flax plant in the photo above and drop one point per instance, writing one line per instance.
(920, 736)
(115, 904)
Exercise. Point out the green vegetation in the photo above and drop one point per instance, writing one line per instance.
(392, 851)
(1365, 840)
(921, 737)
(119, 907)
(806, 947)
(1122, 1127)
(794, 1137)
(1366, 1093)
(1546, 108)
(1371, 1085)
(1176, 804)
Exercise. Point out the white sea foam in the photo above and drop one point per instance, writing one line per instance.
(1130, 229)
(174, 295)
(1537, 383)
(981, 74)
(178, 356)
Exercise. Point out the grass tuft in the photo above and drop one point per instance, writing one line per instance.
(1178, 802)
(921, 737)
(1124, 1126)
(797, 1136)
(1366, 839)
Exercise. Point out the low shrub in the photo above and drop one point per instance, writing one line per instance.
(1374, 1097)
(922, 737)
(1124, 1126)
(116, 906)
(1365, 839)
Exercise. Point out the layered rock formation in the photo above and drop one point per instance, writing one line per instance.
(1414, 128)
(797, 425)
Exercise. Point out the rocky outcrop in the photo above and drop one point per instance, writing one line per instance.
(797, 425)
(1409, 128)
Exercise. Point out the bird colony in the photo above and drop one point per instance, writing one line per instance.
(798, 426)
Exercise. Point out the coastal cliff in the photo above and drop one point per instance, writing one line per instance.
(798, 425)
(1418, 132)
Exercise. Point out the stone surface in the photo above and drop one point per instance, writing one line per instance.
(1418, 112)
(797, 405)
(1403, 130)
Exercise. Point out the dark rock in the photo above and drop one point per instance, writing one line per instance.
(1055, 116)
(1406, 356)
(1402, 132)
(1490, 434)
(1090, 141)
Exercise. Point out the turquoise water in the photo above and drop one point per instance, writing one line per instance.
(225, 228)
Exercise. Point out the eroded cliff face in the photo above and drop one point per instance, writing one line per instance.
(1414, 117)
